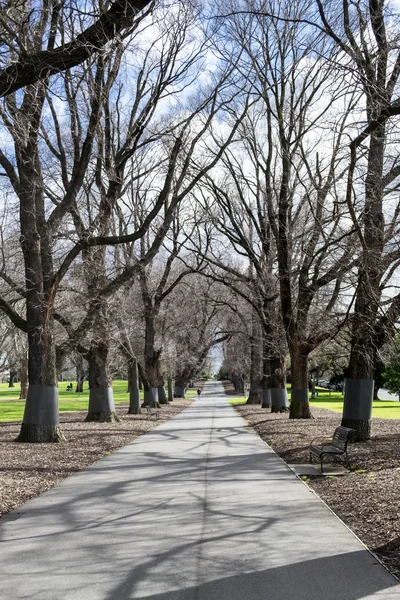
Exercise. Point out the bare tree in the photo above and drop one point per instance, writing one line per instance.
(366, 34)
(298, 176)
(157, 282)
(238, 210)
(42, 274)
(29, 30)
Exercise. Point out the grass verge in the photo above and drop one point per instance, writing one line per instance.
(12, 409)
(382, 409)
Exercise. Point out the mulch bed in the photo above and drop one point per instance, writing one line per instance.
(27, 470)
(367, 499)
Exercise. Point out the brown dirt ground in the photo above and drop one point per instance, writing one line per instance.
(367, 499)
(27, 470)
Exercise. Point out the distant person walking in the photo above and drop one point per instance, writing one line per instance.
(198, 393)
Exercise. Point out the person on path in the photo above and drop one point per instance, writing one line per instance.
(198, 393)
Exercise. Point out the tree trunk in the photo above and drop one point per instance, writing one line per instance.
(359, 384)
(101, 398)
(150, 393)
(180, 387)
(170, 391)
(299, 405)
(154, 392)
(181, 383)
(80, 373)
(162, 397)
(266, 391)
(255, 358)
(279, 399)
(313, 383)
(357, 408)
(60, 359)
(12, 377)
(255, 395)
(151, 355)
(41, 417)
(23, 375)
(266, 398)
(239, 384)
(152, 369)
(359, 387)
(233, 379)
(134, 394)
(179, 391)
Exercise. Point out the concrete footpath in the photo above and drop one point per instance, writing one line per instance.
(198, 509)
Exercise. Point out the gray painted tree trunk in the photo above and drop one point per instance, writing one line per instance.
(151, 398)
(101, 397)
(179, 392)
(181, 382)
(279, 400)
(134, 394)
(266, 369)
(279, 397)
(266, 398)
(101, 405)
(41, 417)
(162, 397)
(170, 389)
(299, 405)
(41, 423)
(357, 408)
(154, 391)
(134, 401)
(148, 398)
(255, 395)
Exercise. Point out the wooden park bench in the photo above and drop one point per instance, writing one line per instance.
(152, 413)
(335, 446)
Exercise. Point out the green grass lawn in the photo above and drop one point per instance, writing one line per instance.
(12, 410)
(382, 409)
(334, 401)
